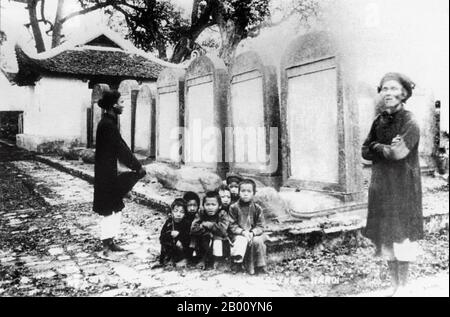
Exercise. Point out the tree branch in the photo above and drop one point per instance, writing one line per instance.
(40, 45)
(87, 10)
(42, 10)
(136, 8)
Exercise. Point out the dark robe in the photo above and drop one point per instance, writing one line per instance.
(109, 187)
(395, 192)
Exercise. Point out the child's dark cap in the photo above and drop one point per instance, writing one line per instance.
(212, 194)
(179, 202)
(248, 181)
(234, 179)
(191, 196)
(223, 187)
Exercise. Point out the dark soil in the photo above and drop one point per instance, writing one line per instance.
(16, 190)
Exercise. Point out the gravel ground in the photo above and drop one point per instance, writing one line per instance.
(352, 269)
(49, 247)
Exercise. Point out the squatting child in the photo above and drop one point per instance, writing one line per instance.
(174, 236)
(210, 229)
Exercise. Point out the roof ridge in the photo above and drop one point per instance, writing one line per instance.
(88, 61)
(155, 59)
(8, 75)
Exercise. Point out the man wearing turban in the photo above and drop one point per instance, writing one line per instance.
(109, 186)
(394, 221)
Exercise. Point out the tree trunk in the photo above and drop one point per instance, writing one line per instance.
(182, 50)
(162, 50)
(231, 35)
(57, 26)
(200, 20)
(34, 23)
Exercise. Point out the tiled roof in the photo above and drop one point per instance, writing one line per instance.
(87, 62)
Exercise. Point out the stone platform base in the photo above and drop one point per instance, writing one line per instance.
(45, 144)
(307, 204)
(310, 219)
(261, 180)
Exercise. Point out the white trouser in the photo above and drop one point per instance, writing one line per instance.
(406, 251)
(110, 226)
(217, 248)
(239, 249)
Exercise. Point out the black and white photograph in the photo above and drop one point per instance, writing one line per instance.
(224, 149)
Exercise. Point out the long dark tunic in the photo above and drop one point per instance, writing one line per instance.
(109, 187)
(395, 192)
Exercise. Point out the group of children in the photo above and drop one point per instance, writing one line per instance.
(228, 225)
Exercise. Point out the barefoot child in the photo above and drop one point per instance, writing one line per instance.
(210, 228)
(175, 237)
(247, 230)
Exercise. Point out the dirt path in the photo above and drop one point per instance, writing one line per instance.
(49, 247)
(54, 251)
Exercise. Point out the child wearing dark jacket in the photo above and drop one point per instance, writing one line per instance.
(210, 228)
(192, 205)
(174, 236)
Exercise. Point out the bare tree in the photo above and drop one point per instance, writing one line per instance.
(37, 17)
(158, 24)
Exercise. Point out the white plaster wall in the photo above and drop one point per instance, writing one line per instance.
(12, 97)
(58, 109)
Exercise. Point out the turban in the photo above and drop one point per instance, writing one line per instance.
(234, 178)
(109, 99)
(406, 83)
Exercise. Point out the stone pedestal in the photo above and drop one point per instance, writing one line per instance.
(45, 144)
